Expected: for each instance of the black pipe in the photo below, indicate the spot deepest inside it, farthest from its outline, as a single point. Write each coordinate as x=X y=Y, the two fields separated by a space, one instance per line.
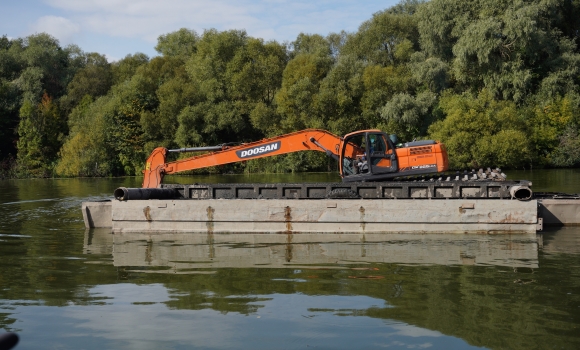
x=521 y=193
x=8 y=341
x=125 y=194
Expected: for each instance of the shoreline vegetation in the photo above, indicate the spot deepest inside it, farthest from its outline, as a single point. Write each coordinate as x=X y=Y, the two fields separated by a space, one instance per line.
x=498 y=82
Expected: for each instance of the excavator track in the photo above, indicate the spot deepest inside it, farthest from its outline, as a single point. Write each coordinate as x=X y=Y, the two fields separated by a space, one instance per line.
x=465 y=175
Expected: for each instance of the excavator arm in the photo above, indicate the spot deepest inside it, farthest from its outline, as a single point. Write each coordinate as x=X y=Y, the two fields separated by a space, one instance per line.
x=305 y=140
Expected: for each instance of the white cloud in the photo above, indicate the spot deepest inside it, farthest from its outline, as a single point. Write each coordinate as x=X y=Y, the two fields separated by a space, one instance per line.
x=61 y=28
x=413 y=331
x=119 y=27
x=268 y=19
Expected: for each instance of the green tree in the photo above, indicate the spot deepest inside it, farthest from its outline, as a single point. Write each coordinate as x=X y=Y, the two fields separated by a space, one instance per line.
x=135 y=125
x=237 y=77
x=94 y=79
x=567 y=19
x=409 y=116
x=9 y=100
x=480 y=131
x=386 y=39
x=381 y=84
x=339 y=97
x=35 y=72
x=567 y=154
x=174 y=92
x=124 y=69
x=297 y=96
x=429 y=73
x=221 y=118
x=86 y=151
x=181 y=43
x=49 y=64
x=552 y=127
x=507 y=47
x=311 y=44
x=41 y=131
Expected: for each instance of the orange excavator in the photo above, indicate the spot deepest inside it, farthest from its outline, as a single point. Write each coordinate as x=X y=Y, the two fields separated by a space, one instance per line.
x=366 y=155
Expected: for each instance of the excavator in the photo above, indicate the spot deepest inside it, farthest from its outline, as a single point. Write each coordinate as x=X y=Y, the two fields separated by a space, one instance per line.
x=363 y=156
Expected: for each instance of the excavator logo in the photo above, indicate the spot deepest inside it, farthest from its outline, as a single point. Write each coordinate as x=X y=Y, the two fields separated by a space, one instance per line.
x=258 y=151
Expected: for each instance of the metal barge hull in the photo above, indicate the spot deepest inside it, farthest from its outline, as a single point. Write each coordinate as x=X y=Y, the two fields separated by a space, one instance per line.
x=325 y=216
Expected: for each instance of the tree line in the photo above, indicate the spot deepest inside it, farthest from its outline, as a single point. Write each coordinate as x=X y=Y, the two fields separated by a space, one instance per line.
x=496 y=81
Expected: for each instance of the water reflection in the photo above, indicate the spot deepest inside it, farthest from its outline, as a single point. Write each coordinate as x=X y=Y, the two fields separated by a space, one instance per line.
x=563 y=240
x=554 y=180
x=403 y=290
x=276 y=321
x=186 y=253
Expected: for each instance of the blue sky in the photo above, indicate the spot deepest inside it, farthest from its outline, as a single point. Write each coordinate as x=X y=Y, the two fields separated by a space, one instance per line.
x=116 y=28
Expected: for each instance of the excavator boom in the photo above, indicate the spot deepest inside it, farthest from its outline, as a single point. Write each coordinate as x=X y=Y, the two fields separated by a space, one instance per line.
x=305 y=140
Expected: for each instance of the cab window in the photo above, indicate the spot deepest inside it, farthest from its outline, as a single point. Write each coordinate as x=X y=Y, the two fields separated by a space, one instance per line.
x=355 y=154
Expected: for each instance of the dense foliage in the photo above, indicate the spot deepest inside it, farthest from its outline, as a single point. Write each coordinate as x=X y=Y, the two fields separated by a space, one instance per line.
x=497 y=81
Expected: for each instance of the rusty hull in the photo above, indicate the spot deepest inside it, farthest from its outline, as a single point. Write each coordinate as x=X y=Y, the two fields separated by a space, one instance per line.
x=320 y=216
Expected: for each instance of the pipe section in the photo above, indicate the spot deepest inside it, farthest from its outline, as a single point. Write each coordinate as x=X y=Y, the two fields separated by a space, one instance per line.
x=125 y=194
x=521 y=193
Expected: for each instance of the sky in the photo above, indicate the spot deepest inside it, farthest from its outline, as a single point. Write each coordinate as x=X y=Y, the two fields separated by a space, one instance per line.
x=117 y=28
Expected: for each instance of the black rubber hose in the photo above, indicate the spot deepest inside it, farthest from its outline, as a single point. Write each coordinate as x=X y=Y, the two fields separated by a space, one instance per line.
x=8 y=341
x=125 y=194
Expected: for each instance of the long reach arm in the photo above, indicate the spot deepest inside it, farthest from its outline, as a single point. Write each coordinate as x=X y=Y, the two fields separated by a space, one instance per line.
x=305 y=140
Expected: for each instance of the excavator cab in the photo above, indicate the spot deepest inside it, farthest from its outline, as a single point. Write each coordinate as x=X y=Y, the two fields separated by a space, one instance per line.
x=367 y=155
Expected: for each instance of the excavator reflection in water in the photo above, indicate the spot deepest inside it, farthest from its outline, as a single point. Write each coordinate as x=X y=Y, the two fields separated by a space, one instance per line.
x=366 y=155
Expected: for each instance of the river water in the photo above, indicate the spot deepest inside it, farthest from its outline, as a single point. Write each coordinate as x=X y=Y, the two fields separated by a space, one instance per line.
x=64 y=287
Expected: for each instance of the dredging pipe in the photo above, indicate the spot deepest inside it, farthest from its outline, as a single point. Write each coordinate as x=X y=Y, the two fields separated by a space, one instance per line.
x=521 y=193
x=125 y=194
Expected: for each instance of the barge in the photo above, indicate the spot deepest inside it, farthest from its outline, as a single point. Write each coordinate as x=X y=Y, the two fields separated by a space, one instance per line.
x=364 y=207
